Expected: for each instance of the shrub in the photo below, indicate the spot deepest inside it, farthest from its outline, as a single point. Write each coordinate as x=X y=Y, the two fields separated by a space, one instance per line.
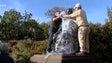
x=24 y=49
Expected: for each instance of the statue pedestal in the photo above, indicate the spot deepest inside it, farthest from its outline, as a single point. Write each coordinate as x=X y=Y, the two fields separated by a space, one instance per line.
x=46 y=58
x=78 y=59
x=62 y=59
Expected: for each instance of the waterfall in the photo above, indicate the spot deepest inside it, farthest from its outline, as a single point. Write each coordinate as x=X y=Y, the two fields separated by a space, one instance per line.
x=67 y=40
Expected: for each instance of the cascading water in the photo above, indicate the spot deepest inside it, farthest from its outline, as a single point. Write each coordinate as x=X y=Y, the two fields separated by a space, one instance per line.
x=67 y=40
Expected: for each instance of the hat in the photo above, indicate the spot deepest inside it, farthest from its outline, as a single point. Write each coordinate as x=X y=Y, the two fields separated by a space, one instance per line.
x=77 y=5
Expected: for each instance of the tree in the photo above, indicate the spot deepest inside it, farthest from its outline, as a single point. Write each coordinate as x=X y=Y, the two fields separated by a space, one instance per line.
x=0 y=18
x=16 y=26
x=29 y=28
x=24 y=26
x=101 y=39
x=45 y=27
x=32 y=27
x=9 y=23
x=109 y=12
x=51 y=12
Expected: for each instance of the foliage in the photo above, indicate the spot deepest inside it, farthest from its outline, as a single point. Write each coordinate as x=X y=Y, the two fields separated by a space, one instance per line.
x=45 y=27
x=9 y=25
x=24 y=49
x=14 y=25
x=109 y=12
x=51 y=12
x=101 y=40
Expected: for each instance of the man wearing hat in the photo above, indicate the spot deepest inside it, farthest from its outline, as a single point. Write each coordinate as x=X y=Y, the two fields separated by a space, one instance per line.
x=4 y=56
x=83 y=31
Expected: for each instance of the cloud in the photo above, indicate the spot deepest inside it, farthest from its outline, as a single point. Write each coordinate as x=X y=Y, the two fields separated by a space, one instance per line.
x=17 y=5
x=2 y=5
x=2 y=8
x=7 y=5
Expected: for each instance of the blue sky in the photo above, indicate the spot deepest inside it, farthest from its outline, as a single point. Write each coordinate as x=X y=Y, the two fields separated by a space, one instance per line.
x=96 y=10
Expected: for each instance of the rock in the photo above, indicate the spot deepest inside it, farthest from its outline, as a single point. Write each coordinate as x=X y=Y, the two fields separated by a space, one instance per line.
x=50 y=58
x=66 y=41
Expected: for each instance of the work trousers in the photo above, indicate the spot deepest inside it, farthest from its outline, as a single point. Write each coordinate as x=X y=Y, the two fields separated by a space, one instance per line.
x=83 y=37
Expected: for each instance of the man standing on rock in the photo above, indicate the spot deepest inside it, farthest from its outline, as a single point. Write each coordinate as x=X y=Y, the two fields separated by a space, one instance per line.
x=83 y=31
x=55 y=25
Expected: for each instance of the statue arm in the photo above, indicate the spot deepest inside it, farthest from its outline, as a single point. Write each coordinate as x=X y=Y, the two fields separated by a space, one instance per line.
x=55 y=18
x=73 y=15
x=76 y=13
x=65 y=16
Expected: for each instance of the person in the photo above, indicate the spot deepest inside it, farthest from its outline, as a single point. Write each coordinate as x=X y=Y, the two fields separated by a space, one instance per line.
x=69 y=11
x=55 y=24
x=83 y=28
x=4 y=56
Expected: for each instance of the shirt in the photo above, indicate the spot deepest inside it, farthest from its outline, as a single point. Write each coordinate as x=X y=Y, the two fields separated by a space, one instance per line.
x=80 y=17
x=6 y=59
x=55 y=24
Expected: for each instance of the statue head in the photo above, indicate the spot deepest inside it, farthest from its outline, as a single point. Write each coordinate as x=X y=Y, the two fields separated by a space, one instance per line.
x=78 y=6
x=69 y=11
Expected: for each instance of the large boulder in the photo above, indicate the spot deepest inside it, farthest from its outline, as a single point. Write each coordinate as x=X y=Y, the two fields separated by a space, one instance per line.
x=66 y=41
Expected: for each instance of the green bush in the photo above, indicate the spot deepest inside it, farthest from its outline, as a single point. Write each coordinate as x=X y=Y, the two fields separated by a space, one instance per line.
x=101 y=42
x=24 y=49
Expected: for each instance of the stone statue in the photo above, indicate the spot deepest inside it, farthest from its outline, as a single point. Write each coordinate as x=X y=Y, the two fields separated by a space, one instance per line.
x=66 y=41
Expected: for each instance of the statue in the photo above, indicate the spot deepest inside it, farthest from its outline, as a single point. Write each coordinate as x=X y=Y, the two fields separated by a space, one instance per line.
x=67 y=41
x=66 y=38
